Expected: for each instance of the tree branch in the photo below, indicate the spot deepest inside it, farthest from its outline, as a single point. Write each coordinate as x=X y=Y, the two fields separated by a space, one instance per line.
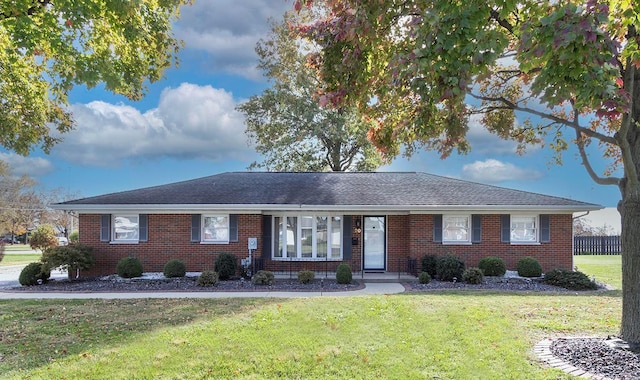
x=511 y=105
x=630 y=170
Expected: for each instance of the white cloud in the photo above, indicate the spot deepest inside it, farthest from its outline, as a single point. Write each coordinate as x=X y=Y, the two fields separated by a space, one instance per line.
x=190 y=122
x=228 y=30
x=494 y=171
x=31 y=166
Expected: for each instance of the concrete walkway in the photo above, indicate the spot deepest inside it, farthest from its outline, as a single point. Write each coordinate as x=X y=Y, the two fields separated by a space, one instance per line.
x=370 y=288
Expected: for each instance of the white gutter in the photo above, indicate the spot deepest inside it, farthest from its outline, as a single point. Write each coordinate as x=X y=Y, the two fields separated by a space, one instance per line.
x=253 y=208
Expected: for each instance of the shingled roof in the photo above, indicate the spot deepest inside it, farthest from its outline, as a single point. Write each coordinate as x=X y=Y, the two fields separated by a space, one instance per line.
x=407 y=191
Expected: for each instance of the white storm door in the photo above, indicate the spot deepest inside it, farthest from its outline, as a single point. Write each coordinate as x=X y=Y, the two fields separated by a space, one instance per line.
x=374 y=243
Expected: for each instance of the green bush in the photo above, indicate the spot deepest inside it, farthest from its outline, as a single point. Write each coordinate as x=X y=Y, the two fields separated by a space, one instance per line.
x=129 y=267
x=208 y=278
x=449 y=268
x=74 y=237
x=263 y=277
x=174 y=268
x=33 y=274
x=529 y=267
x=226 y=265
x=569 y=280
x=43 y=237
x=306 y=276
x=343 y=274
x=70 y=257
x=492 y=266
x=428 y=264
x=424 y=278
x=473 y=276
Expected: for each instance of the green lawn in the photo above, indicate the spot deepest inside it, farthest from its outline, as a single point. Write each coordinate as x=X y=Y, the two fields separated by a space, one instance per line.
x=19 y=259
x=605 y=268
x=16 y=247
x=449 y=335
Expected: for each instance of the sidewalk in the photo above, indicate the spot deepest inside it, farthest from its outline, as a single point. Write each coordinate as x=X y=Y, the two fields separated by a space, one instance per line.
x=371 y=288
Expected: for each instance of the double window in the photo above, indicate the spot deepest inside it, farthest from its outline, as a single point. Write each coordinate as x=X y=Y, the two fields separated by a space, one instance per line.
x=456 y=229
x=124 y=228
x=215 y=228
x=308 y=237
x=524 y=229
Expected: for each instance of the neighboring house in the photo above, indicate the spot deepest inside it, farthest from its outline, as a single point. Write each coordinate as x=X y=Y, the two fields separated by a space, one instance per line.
x=370 y=221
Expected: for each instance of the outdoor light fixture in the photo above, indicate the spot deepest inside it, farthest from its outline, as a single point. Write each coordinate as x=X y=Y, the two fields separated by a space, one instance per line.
x=358 y=228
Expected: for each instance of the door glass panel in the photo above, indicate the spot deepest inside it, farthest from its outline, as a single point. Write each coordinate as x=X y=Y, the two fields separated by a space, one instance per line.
x=374 y=242
x=321 y=236
x=292 y=232
x=306 y=232
x=336 y=237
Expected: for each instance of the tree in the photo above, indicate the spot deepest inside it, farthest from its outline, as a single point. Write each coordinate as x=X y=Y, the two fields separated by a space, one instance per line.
x=20 y=204
x=47 y=47
x=72 y=258
x=43 y=237
x=290 y=129
x=553 y=73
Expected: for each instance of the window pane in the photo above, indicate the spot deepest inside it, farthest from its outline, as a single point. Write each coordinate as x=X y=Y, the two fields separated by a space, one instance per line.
x=125 y=227
x=279 y=236
x=216 y=228
x=336 y=237
x=321 y=236
x=292 y=231
x=524 y=228
x=306 y=237
x=455 y=228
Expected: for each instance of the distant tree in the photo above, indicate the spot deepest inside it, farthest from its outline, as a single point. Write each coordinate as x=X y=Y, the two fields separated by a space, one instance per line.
x=43 y=237
x=48 y=47
x=289 y=128
x=64 y=222
x=584 y=227
x=20 y=204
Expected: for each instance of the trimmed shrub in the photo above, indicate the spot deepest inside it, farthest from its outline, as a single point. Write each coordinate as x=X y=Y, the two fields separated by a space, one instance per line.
x=343 y=274
x=129 y=267
x=428 y=264
x=33 y=274
x=226 y=265
x=424 y=278
x=473 y=276
x=68 y=257
x=263 y=277
x=449 y=267
x=306 y=276
x=208 y=278
x=529 y=267
x=492 y=266
x=174 y=268
x=569 y=280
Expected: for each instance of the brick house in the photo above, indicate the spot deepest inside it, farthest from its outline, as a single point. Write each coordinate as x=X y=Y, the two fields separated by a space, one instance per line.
x=373 y=222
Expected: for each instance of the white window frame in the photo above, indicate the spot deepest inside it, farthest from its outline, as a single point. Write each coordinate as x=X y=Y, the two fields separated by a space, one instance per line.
x=203 y=239
x=456 y=241
x=513 y=234
x=298 y=234
x=128 y=217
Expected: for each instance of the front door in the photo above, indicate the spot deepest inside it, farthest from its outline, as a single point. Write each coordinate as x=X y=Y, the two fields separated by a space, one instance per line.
x=374 y=243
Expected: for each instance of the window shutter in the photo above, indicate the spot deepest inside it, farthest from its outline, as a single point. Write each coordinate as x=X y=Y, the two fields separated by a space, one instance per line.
x=346 y=238
x=233 y=227
x=505 y=228
x=476 y=228
x=266 y=236
x=195 y=227
x=545 y=229
x=105 y=227
x=143 y=227
x=437 y=228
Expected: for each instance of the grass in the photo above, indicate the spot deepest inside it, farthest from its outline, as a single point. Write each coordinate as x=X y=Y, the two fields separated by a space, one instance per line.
x=449 y=335
x=19 y=259
x=16 y=247
x=605 y=268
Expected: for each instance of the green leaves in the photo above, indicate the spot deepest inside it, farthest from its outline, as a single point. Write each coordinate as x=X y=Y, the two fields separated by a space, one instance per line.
x=46 y=48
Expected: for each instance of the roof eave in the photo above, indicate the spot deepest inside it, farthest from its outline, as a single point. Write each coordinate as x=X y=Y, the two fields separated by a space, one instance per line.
x=247 y=208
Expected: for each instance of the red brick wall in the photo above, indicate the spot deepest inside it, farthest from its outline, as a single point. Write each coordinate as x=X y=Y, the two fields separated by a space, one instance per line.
x=407 y=236
x=555 y=254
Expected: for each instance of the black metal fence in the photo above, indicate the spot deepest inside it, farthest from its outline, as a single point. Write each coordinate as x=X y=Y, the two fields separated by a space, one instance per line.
x=597 y=245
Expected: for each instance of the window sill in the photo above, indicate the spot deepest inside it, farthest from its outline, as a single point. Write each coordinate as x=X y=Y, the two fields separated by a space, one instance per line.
x=287 y=259
x=214 y=242
x=124 y=242
x=456 y=243
x=525 y=243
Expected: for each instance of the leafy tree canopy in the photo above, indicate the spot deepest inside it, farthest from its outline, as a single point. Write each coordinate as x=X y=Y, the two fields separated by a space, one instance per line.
x=289 y=128
x=47 y=47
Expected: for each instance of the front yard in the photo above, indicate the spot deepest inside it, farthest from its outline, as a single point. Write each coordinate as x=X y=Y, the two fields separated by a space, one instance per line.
x=450 y=335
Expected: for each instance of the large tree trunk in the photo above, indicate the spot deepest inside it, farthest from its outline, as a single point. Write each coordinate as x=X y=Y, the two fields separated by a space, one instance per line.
x=629 y=209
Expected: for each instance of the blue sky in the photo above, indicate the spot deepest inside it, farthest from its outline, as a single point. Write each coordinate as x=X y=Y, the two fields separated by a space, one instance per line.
x=186 y=127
